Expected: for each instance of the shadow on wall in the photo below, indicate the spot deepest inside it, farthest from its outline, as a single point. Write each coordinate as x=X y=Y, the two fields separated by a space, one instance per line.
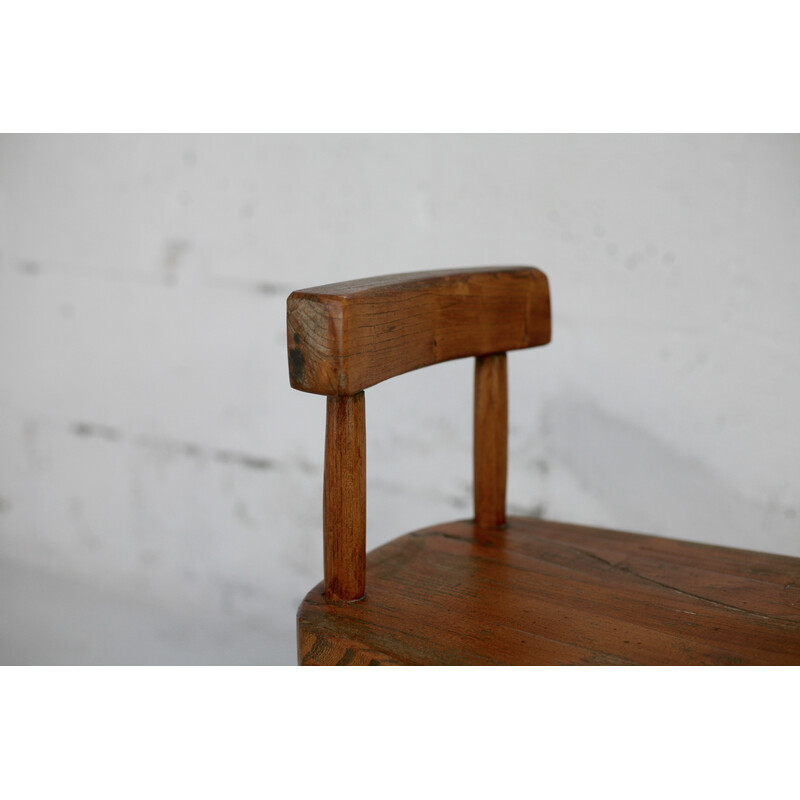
x=655 y=489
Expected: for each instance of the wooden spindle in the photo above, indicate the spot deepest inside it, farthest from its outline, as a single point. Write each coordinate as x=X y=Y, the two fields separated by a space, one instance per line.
x=491 y=440
x=344 y=516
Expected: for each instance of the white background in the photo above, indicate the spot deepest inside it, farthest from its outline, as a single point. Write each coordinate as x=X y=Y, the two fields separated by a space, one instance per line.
x=356 y=65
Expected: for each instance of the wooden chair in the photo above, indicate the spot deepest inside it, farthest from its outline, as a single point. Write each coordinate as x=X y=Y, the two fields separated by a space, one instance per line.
x=498 y=590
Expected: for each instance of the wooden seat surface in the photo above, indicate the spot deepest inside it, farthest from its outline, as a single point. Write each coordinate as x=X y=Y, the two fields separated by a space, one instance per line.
x=539 y=592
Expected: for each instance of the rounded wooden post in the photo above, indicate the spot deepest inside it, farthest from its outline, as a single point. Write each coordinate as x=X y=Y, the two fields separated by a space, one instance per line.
x=491 y=440
x=344 y=514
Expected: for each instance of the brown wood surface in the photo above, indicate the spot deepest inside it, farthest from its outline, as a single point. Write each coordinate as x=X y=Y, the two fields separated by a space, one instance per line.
x=345 y=337
x=540 y=592
x=344 y=510
x=490 y=460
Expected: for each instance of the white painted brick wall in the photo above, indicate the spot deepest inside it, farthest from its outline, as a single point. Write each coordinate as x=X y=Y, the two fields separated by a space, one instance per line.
x=150 y=445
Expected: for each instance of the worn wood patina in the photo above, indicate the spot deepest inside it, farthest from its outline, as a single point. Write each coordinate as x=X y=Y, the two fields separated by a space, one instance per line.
x=540 y=592
x=497 y=590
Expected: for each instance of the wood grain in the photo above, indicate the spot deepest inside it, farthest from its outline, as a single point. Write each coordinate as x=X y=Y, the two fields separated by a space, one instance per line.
x=542 y=592
x=345 y=337
x=490 y=459
x=497 y=590
x=344 y=517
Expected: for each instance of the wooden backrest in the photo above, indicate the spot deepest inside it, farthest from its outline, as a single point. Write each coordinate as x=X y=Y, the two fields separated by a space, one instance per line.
x=346 y=337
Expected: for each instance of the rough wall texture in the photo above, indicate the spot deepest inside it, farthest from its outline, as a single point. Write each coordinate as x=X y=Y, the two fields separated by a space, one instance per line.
x=150 y=445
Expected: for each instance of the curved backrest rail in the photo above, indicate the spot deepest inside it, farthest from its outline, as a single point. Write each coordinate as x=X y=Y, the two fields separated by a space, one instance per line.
x=345 y=337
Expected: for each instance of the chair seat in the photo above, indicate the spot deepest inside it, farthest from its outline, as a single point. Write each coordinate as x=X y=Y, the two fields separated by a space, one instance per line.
x=539 y=592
